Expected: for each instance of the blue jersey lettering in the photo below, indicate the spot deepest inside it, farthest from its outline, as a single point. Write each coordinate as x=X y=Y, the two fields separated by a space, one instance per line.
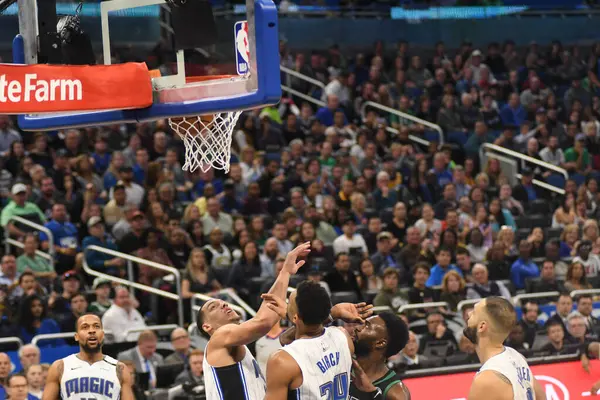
x=87 y=384
x=328 y=361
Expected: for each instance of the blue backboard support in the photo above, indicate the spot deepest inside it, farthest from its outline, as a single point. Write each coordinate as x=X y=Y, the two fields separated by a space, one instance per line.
x=267 y=75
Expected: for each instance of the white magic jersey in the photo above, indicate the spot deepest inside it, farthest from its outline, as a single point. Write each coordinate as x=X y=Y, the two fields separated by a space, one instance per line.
x=514 y=367
x=240 y=381
x=325 y=362
x=83 y=381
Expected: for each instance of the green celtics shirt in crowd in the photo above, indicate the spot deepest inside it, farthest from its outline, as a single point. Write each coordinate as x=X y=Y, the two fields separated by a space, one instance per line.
x=36 y=264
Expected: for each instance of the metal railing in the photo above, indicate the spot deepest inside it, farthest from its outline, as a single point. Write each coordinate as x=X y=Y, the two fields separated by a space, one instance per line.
x=423 y=305
x=579 y=292
x=51 y=336
x=462 y=304
x=306 y=78
x=165 y=327
x=8 y=241
x=303 y=96
x=543 y=164
x=12 y=339
x=405 y=116
x=130 y=283
x=518 y=299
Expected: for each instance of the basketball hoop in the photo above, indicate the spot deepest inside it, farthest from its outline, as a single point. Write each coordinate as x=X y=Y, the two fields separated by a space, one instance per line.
x=207 y=138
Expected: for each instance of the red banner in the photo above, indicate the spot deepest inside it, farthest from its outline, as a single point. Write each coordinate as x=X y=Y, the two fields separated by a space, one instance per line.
x=561 y=381
x=33 y=89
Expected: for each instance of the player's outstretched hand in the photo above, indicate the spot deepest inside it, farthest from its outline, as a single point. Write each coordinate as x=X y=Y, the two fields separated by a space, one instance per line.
x=275 y=303
x=352 y=313
x=291 y=264
x=360 y=379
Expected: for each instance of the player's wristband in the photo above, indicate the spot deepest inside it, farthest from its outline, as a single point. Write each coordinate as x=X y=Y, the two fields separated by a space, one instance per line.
x=375 y=395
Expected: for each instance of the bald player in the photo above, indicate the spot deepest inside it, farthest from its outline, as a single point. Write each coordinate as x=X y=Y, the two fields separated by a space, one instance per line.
x=504 y=374
x=89 y=373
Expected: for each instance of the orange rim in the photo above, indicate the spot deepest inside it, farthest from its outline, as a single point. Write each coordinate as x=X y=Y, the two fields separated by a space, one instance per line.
x=192 y=79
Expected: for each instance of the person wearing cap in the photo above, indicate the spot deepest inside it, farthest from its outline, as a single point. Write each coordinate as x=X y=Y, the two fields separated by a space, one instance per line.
x=131 y=238
x=577 y=158
x=526 y=191
x=114 y=210
x=60 y=304
x=230 y=203
x=101 y=261
x=385 y=257
x=350 y=241
x=65 y=236
x=20 y=207
x=134 y=192
x=101 y=288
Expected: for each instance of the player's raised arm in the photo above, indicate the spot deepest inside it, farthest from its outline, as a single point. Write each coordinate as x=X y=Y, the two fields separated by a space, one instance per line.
x=126 y=381
x=540 y=393
x=258 y=326
x=491 y=385
x=52 y=388
x=282 y=371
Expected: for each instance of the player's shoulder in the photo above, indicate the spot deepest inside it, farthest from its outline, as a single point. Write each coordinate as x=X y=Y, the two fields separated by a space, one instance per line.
x=283 y=362
x=492 y=378
x=111 y=361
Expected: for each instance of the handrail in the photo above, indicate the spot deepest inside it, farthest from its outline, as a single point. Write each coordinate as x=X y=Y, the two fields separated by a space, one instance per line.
x=12 y=339
x=163 y=293
x=380 y=309
x=150 y=328
x=302 y=76
x=51 y=336
x=579 y=292
x=422 y=305
x=400 y=114
x=524 y=157
x=518 y=298
x=303 y=96
x=461 y=304
x=546 y=186
x=8 y=241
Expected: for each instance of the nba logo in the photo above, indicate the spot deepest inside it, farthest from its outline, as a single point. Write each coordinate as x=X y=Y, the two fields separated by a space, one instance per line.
x=242 y=47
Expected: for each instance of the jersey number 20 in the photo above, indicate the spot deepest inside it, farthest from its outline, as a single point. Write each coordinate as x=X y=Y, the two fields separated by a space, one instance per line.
x=336 y=389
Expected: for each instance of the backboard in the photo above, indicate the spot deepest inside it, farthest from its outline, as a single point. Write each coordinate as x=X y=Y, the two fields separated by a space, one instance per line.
x=245 y=58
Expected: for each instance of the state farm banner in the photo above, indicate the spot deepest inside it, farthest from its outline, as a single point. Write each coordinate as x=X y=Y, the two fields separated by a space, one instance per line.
x=561 y=381
x=34 y=89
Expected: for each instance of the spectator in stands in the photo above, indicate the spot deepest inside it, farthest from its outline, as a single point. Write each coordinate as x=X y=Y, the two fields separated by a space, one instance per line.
x=463 y=262
x=447 y=203
x=437 y=331
x=194 y=373
x=443 y=257
x=214 y=217
x=553 y=254
x=576 y=279
x=34 y=381
x=591 y=262
x=420 y=293
x=411 y=251
x=369 y=279
x=475 y=244
x=350 y=241
x=144 y=356
x=513 y=113
x=280 y=233
x=568 y=239
x=102 y=261
x=529 y=322
x=198 y=277
x=428 y=225
x=29 y=260
x=325 y=114
x=27 y=286
x=482 y=287
x=390 y=294
x=20 y=207
x=524 y=267
x=180 y=340
x=552 y=154
x=516 y=339
x=101 y=288
x=453 y=289
x=114 y=210
x=29 y=355
x=33 y=321
x=385 y=257
x=448 y=117
x=244 y=269
x=18 y=387
x=557 y=344
x=584 y=307
x=5 y=369
x=564 y=306
x=577 y=158
x=547 y=281
x=268 y=258
x=60 y=305
x=179 y=248
x=342 y=279
x=8 y=270
x=122 y=316
x=79 y=307
x=409 y=358
x=477 y=139
x=65 y=238
x=526 y=192
x=577 y=329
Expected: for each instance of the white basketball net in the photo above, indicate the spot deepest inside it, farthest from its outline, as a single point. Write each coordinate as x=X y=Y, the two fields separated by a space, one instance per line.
x=207 y=141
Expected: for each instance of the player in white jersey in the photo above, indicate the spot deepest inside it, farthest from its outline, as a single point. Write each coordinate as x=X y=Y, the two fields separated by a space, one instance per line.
x=504 y=374
x=230 y=370
x=317 y=365
x=88 y=374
